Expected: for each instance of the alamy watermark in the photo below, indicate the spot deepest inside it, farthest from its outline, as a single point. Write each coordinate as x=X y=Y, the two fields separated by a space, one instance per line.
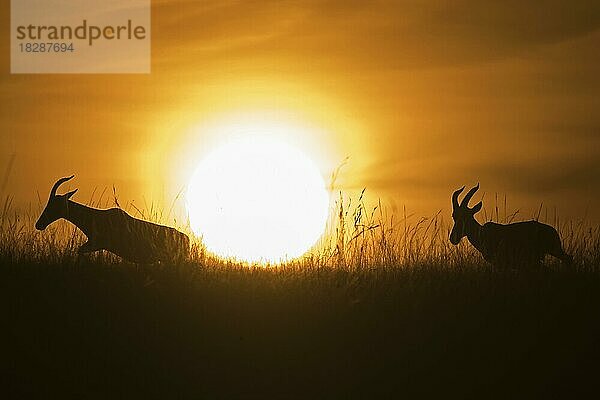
x=80 y=36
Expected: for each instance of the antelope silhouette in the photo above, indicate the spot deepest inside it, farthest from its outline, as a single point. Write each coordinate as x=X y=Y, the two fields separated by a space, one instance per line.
x=114 y=230
x=512 y=245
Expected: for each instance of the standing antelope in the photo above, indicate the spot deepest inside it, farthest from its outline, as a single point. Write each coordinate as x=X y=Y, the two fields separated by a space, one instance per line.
x=518 y=244
x=115 y=230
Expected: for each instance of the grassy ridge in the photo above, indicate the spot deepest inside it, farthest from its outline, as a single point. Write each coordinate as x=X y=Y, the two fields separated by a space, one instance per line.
x=378 y=309
x=99 y=330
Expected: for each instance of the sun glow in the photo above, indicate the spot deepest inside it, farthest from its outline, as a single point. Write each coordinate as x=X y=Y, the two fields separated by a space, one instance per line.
x=257 y=199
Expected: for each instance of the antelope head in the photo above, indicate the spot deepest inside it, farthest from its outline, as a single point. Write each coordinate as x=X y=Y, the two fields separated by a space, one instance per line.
x=462 y=214
x=56 y=207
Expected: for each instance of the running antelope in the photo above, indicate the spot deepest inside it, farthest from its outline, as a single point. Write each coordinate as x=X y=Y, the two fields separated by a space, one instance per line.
x=518 y=244
x=114 y=230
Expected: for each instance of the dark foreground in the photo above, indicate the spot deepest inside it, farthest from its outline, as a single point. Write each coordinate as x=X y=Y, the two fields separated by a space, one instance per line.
x=101 y=331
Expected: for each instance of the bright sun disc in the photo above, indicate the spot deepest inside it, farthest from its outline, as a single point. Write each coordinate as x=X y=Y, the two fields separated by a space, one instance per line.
x=257 y=199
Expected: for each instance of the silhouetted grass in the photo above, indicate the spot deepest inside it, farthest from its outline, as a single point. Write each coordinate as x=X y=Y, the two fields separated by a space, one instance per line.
x=383 y=307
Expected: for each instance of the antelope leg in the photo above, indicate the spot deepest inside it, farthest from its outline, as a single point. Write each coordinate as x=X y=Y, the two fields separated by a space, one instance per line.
x=88 y=247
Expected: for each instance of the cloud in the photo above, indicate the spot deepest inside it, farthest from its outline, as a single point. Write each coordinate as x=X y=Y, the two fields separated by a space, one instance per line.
x=373 y=34
x=443 y=93
x=546 y=176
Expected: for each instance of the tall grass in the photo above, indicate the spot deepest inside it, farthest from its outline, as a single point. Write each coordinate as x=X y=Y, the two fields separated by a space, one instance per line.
x=357 y=237
x=369 y=237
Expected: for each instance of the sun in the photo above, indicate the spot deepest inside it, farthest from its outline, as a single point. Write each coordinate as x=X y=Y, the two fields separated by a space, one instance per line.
x=257 y=199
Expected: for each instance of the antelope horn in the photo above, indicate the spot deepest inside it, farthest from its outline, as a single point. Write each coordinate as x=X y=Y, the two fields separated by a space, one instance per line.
x=58 y=183
x=455 y=197
x=467 y=198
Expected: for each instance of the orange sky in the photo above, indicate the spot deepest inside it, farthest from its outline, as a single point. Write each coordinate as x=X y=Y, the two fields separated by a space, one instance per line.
x=422 y=97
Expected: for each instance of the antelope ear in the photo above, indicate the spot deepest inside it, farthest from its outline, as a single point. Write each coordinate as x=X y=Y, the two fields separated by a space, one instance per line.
x=70 y=194
x=476 y=208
